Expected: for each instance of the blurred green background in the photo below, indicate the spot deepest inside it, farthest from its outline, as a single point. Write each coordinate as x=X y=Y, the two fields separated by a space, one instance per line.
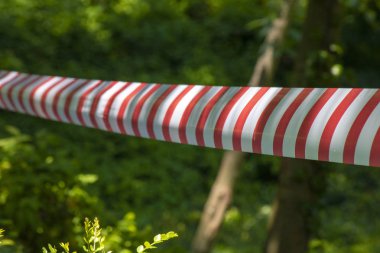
x=52 y=175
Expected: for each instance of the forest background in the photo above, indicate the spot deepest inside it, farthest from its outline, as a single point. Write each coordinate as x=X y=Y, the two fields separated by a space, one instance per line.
x=53 y=175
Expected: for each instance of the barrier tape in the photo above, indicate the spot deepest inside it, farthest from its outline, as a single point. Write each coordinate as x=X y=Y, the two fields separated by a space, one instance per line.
x=327 y=124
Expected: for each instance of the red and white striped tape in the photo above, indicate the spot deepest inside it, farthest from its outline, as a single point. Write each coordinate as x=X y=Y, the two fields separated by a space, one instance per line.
x=338 y=125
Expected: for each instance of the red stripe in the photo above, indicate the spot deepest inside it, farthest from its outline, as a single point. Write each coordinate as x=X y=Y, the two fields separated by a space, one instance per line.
x=223 y=117
x=82 y=99
x=124 y=105
x=57 y=97
x=324 y=144
x=357 y=126
x=187 y=113
x=374 y=158
x=204 y=116
x=284 y=122
x=170 y=111
x=14 y=85
x=308 y=122
x=95 y=103
x=153 y=111
x=32 y=93
x=262 y=121
x=238 y=129
x=69 y=98
x=20 y=95
x=108 y=106
x=3 y=85
x=138 y=108
x=44 y=95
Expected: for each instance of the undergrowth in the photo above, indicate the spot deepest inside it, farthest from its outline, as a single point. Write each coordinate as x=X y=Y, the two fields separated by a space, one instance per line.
x=93 y=240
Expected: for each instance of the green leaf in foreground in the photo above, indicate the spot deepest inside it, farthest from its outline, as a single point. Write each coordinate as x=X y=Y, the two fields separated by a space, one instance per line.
x=160 y=238
x=1 y=234
x=93 y=240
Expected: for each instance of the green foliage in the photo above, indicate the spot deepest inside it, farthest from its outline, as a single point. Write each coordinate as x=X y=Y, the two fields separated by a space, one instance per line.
x=46 y=190
x=167 y=41
x=1 y=234
x=160 y=238
x=52 y=249
x=53 y=174
x=94 y=241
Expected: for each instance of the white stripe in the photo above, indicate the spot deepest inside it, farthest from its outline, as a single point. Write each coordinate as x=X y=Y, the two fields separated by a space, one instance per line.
x=115 y=107
x=86 y=109
x=50 y=97
x=178 y=112
x=146 y=108
x=228 y=127
x=75 y=100
x=161 y=112
x=39 y=92
x=274 y=119
x=196 y=113
x=8 y=77
x=64 y=96
x=366 y=137
x=319 y=124
x=339 y=137
x=253 y=117
x=209 y=129
x=291 y=133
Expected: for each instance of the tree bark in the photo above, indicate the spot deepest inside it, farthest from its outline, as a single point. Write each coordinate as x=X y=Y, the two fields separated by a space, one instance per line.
x=301 y=182
x=222 y=190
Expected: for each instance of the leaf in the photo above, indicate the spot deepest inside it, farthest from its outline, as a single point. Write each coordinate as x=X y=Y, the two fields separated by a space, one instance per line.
x=52 y=249
x=171 y=234
x=149 y=246
x=140 y=249
x=157 y=238
x=65 y=247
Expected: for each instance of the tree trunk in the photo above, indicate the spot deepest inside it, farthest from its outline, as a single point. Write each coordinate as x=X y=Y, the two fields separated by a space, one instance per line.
x=222 y=190
x=301 y=182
